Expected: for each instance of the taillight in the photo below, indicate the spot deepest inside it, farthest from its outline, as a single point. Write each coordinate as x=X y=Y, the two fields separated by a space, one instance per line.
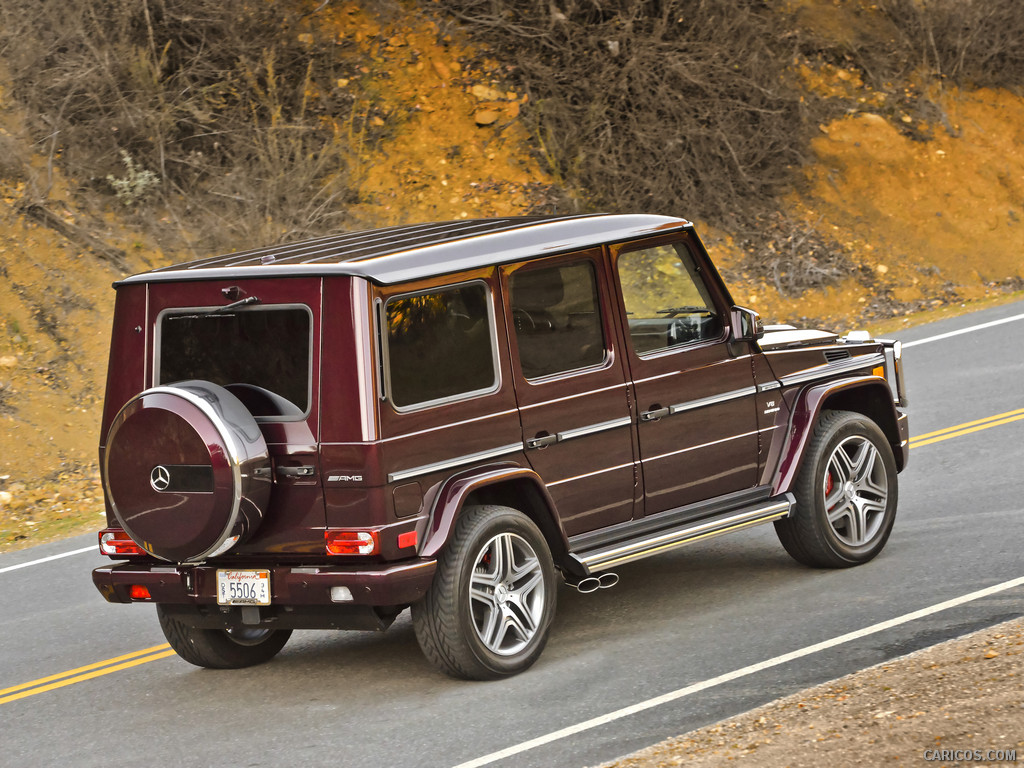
x=139 y=592
x=351 y=542
x=116 y=543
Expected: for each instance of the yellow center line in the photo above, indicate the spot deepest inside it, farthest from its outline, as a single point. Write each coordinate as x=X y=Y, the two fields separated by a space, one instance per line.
x=88 y=672
x=967 y=428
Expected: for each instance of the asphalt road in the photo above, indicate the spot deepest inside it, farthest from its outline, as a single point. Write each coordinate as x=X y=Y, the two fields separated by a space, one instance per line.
x=707 y=628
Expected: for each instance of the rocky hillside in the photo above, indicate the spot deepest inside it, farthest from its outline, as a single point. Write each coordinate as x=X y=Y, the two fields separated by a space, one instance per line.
x=888 y=180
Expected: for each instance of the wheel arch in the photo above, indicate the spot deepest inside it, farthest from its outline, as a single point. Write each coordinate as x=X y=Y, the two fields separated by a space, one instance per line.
x=869 y=396
x=512 y=486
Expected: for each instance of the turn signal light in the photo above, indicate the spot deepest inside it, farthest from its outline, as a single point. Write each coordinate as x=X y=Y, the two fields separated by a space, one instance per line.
x=116 y=543
x=351 y=542
x=139 y=592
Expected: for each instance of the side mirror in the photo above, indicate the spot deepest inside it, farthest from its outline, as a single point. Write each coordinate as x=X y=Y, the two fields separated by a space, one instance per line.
x=746 y=325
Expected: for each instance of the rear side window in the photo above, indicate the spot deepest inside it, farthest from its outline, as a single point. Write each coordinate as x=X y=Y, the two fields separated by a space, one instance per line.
x=440 y=346
x=262 y=356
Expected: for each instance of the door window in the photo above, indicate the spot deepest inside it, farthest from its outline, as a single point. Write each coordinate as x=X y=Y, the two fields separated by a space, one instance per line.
x=667 y=304
x=556 y=319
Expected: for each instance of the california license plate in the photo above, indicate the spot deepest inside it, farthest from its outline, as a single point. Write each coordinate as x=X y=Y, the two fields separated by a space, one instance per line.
x=243 y=587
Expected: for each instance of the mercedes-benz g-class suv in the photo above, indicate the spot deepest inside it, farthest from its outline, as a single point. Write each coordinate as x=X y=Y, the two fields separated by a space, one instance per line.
x=449 y=416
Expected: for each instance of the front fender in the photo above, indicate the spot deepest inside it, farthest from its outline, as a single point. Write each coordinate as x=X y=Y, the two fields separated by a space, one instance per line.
x=867 y=395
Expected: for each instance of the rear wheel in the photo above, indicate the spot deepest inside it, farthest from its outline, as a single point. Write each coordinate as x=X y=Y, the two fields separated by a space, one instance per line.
x=490 y=606
x=846 y=494
x=221 y=648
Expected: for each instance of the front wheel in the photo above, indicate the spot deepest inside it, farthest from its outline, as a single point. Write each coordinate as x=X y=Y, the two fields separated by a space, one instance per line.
x=846 y=494
x=489 y=608
x=221 y=648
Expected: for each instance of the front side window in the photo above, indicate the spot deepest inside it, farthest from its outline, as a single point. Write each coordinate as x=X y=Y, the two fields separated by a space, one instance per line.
x=667 y=303
x=262 y=356
x=440 y=346
x=556 y=319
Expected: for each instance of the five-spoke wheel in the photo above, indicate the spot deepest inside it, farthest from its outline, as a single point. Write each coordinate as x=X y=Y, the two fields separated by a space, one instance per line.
x=492 y=600
x=506 y=594
x=846 y=494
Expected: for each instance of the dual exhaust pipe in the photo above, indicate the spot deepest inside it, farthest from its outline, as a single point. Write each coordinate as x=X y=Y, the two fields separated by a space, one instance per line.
x=593 y=583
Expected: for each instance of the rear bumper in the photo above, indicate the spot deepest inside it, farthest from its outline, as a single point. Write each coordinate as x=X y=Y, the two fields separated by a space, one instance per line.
x=290 y=586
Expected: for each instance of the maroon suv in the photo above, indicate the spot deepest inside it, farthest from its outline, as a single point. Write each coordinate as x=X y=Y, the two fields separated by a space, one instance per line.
x=445 y=416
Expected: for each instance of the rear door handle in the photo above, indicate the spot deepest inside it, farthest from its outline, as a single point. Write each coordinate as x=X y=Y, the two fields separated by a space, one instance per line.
x=654 y=414
x=305 y=471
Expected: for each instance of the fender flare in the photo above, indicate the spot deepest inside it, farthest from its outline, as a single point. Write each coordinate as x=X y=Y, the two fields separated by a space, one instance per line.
x=453 y=493
x=808 y=406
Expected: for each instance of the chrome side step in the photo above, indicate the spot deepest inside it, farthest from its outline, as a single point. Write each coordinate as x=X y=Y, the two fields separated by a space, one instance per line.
x=663 y=540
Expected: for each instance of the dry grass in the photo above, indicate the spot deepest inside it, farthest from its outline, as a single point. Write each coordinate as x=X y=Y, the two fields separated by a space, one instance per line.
x=209 y=115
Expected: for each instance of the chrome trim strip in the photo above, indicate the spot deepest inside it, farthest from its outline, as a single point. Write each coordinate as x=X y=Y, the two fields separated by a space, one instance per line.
x=768 y=386
x=703 y=402
x=593 y=429
x=702 y=445
x=649 y=546
x=588 y=474
x=458 y=461
x=832 y=369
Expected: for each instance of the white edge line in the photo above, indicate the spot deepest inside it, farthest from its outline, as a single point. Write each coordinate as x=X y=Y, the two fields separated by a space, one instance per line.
x=48 y=559
x=962 y=330
x=736 y=674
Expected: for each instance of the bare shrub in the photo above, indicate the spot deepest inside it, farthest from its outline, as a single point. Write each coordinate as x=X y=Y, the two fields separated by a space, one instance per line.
x=217 y=100
x=971 y=42
x=653 y=106
x=792 y=255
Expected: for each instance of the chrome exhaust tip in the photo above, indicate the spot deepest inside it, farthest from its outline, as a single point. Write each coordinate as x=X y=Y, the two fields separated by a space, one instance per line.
x=608 y=580
x=593 y=583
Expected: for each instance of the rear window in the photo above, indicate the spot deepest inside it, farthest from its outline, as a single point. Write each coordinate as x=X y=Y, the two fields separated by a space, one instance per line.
x=440 y=346
x=262 y=355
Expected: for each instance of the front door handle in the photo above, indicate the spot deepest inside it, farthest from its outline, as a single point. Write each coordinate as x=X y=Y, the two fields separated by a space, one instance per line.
x=541 y=441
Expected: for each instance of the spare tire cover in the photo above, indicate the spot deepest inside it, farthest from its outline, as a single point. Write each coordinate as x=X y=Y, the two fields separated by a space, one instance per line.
x=187 y=471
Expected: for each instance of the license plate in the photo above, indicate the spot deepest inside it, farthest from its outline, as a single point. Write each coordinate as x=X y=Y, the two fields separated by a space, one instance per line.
x=243 y=587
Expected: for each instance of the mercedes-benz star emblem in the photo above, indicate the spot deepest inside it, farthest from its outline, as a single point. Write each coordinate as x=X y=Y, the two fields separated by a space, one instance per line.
x=160 y=478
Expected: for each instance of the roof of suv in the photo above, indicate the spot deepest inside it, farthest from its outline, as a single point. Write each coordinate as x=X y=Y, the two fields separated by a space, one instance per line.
x=398 y=254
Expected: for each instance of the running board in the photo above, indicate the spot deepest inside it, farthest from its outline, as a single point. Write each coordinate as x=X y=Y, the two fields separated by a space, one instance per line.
x=626 y=551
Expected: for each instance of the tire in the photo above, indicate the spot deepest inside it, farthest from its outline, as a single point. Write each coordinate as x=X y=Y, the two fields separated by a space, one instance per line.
x=221 y=648
x=846 y=494
x=490 y=606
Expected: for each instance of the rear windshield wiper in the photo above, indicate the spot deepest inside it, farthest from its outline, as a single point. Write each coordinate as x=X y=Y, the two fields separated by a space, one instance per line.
x=217 y=310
